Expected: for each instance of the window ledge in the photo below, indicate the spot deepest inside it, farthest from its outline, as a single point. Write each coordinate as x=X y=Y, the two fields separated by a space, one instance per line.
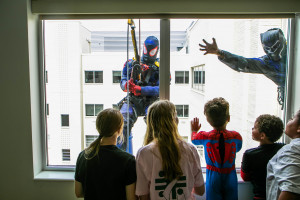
x=69 y=176
x=55 y=176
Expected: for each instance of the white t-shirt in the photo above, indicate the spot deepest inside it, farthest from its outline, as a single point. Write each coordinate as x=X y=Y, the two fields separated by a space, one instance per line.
x=150 y=179
x=283 y=171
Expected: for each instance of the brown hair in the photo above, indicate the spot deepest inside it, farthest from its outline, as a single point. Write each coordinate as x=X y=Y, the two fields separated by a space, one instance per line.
x=217 y=112
x=162 y=126
x=107 y=123
x=271 y=125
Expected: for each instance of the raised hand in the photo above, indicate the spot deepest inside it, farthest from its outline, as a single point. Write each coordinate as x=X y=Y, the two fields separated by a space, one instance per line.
x=195 y=125
x=210 y=48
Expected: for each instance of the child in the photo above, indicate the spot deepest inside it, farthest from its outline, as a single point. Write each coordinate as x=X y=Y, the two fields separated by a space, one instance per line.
x=220 y=146
x=168 y=167
x=283 y=170
x=103 y=171
x=267 y=130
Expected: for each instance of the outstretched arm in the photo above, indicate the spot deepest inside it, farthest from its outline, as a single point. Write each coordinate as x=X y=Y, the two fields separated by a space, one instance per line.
x=210 y=48
x=235 y=62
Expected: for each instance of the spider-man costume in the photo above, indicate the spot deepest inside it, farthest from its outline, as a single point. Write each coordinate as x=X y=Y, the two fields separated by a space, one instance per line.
x=272 y=65
x=143 y=92
x=221 y=178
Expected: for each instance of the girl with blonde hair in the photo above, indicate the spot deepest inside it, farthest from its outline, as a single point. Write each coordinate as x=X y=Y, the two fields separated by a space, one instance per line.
x=167 y=167
x=103 y=171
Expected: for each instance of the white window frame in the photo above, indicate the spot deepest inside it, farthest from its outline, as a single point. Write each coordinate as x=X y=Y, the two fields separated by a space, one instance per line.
x=198 y=86
x=183 y=110
x=164 y=74
x=94 y=109
x=184 y=77
x=114 y=76
x=94 y=77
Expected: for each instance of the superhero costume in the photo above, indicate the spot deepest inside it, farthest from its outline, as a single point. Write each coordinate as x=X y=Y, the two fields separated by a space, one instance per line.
x=143 y=91
x=220 y=150
x=272 y=65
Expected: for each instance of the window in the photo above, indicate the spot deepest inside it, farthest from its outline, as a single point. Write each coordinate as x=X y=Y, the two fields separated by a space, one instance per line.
x=116 y=76
x=115 y=106
x=89 y=139
x=46 y=76
x=93 y=109
x=198 y=78
x=64 y=120
x=47 y=109
x=74 y=87
x=182 y=77
x=93 y=76
x=182 y=110
x=66 y=155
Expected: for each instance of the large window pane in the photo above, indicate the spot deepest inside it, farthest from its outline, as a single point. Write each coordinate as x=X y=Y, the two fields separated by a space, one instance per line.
x=86 y=59
x=249 y=94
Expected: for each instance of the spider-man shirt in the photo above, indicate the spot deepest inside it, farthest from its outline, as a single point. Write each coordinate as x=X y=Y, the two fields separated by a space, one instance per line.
x=220 y=153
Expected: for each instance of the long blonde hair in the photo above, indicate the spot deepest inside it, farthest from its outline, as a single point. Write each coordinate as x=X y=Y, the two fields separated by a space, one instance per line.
x=107 y=123
x=162 y=126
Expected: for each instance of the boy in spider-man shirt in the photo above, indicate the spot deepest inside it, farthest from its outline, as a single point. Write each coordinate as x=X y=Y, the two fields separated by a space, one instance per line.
x=220 y=146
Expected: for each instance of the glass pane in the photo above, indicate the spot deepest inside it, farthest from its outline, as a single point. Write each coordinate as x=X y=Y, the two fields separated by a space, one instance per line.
x=92 y=51
x=196 y=77
x=98 y=76
x=89 y=77
x=179 y=76
x=98 y=108
x=186 y=111
x=250 y=93
x=89 y=110
x=179 y=110
x=186 y=73
x=116 y=76
x=64 y=120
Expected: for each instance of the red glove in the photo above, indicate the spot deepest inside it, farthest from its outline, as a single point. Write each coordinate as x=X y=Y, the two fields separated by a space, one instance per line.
x=128 y=83
x=135 y=89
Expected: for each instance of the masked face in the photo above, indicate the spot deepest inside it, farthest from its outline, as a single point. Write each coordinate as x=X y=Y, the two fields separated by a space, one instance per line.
x=274 y=43
x=150 y=50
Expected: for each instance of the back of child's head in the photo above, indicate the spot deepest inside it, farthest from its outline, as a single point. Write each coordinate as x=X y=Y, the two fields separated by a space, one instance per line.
x=107 y=123
x=162 y=126
x=271 y=125
x=217 y=112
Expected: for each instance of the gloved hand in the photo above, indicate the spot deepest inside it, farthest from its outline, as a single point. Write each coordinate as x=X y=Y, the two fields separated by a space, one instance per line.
x=125 y=86
x=135 y=89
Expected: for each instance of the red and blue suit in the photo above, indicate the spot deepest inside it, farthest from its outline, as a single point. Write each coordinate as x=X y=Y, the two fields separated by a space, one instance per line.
x=220 y=152
x=143 y=91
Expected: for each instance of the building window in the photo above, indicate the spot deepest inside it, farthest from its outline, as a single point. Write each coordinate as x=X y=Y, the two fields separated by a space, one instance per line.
x=64 y=120
x=116 y=76
x=66 y=155
x=115 y=106
x=89 y=139
x=198 y=77
x=93 y=109
x=46 y=76
x=47 y=109
x=182 y=110
x=182 y=77
x=93 y=76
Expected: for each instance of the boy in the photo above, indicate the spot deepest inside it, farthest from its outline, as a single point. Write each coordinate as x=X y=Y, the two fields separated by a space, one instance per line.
x=220 y=146
x=267 y=130
x=283 y=170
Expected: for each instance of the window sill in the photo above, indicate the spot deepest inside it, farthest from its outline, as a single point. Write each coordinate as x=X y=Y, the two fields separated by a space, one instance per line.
x=69 y=176
x=55 y=176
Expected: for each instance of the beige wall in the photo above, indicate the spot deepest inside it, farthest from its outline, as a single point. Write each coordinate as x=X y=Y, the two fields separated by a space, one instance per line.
x=19 y=109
